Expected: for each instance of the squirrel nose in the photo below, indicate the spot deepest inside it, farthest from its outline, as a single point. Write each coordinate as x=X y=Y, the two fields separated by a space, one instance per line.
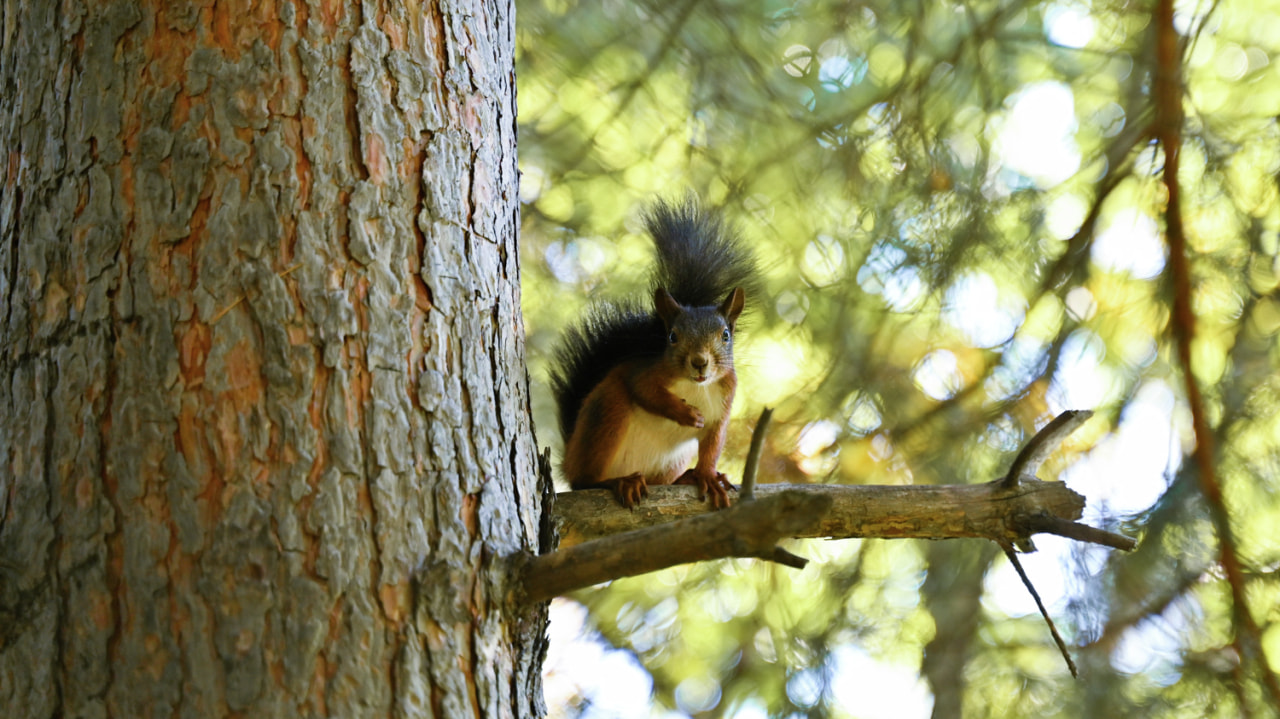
x=699 y=363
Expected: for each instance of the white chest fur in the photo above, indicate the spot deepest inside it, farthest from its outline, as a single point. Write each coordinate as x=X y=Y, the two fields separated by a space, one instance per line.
x=658 y=447
x=708 y=398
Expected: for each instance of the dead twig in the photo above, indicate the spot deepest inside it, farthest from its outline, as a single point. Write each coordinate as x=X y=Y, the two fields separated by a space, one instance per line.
x=748 y=490
x=1053 y=628
x=1036 y=451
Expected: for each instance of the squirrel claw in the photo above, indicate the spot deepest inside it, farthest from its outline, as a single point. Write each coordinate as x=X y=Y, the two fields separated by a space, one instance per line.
x=629 y=489
x=715 y=487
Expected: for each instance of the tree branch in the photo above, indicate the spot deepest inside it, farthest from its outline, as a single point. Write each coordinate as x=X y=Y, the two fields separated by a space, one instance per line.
x=748 y=529
x=986 y=511
x=1168 y=124
x=599 y=541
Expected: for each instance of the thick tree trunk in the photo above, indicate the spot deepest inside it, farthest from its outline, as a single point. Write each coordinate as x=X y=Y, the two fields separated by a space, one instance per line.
x=264 y=429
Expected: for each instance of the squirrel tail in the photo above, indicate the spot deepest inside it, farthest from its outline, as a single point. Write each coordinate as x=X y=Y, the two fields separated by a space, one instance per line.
x=606 y=336
x=700 y=258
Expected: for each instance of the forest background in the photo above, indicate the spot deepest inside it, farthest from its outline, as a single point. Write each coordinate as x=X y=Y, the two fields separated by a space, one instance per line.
x=970 y=223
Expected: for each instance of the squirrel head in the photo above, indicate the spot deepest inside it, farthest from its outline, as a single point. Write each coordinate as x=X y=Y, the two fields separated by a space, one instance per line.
x=699 y=339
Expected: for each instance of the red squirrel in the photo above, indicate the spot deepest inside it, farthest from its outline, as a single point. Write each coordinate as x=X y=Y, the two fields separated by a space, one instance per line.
x=642 y=392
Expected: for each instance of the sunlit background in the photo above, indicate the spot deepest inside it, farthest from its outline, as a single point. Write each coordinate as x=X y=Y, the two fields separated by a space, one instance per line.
x=961 y=213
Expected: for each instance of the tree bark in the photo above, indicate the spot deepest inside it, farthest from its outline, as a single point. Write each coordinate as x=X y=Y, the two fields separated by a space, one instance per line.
x=264 y=427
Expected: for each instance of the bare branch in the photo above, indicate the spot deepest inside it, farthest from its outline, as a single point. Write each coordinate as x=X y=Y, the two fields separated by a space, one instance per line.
x=748 y=529
x=987 y=511
x=1168 y=125
x=599 y=541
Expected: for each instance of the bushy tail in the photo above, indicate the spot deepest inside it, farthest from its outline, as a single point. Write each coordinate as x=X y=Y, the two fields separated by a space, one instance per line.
x=604 y=338
x=699 y=258
x=699 y=261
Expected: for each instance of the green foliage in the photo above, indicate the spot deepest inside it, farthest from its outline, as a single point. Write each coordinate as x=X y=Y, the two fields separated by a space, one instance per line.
x=962 y=215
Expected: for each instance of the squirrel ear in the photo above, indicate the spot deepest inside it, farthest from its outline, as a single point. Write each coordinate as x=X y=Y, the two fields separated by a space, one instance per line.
x=666 y=305
x=732 y=305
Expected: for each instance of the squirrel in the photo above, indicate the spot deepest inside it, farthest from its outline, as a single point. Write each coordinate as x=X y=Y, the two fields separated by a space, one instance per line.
x=641 y=392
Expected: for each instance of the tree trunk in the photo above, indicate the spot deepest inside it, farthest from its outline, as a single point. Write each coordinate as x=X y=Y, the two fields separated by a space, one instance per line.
x=264 y=428
x=953 y=595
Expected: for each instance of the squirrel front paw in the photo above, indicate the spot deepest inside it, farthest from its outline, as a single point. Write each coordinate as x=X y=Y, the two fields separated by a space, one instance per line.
x=691 y=417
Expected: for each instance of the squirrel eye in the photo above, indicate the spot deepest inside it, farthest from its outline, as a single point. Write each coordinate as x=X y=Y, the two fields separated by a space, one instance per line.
x=672 y=337
x=725 y=335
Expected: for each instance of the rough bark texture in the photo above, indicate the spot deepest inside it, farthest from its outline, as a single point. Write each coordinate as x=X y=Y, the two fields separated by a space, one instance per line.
x=263 y=415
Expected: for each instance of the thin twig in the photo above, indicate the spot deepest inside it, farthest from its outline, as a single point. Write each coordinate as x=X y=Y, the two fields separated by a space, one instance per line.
x=1044 y=443
x=1043 y=523
x=748 y=490
x=785 y=558
x=1053 y=628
